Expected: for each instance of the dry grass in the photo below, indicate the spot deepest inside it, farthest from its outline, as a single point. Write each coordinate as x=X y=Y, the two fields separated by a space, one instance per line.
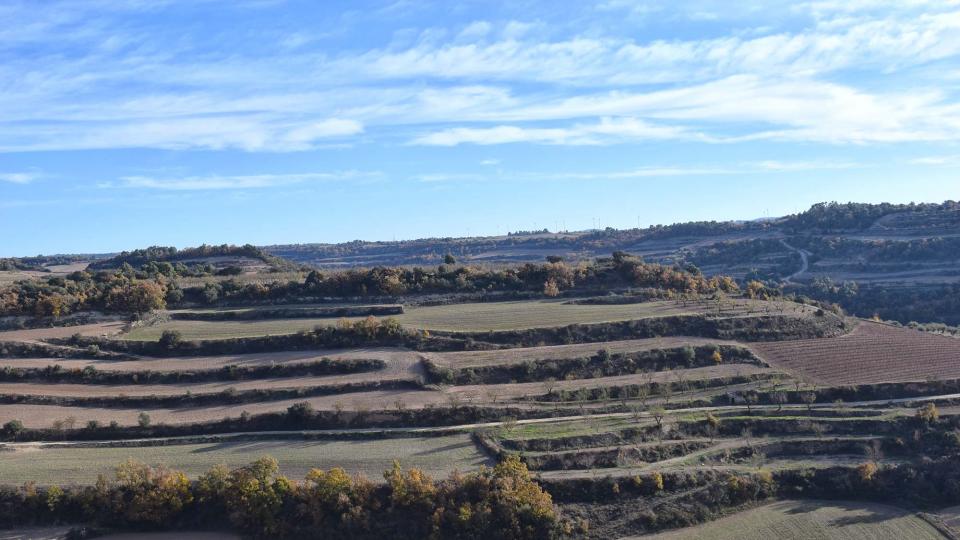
x=108 y=328
x=476 y=317
x=46 y=415
x=394 y=358
x=472 y=359
x=803 y=520
x=437 y=455
x=43 y=416
x=872 y=353
x=246 y=278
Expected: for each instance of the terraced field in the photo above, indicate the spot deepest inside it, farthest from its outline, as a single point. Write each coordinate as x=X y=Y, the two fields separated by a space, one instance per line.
x=396 y=359
x=803 y=520
x=644 y=406
x=460 y=318
x=871 y=353
x=437 y=455
x=473 y=359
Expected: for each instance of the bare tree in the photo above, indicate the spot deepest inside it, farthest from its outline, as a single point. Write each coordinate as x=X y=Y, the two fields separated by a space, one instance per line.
x=549 y=385
x=809 y=398
x=779 y=398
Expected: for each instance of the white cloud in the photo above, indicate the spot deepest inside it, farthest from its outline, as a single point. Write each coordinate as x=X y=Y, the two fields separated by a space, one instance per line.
x=19 y=177
x=490 y=162
x=607 y=130
x=215 y=182
x=334 y=127
x=475 y=30
x=936 y=160
x=650 y=171
x=244 y=132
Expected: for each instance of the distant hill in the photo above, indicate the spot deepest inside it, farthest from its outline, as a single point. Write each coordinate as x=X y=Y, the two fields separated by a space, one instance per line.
x=736 y=247
x=222 y=256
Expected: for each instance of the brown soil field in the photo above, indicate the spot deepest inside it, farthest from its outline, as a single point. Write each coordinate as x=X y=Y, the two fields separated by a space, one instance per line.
x=396 y=359
x=470 y=359
x=871 y=353
x=471 y=317
x=45 y=415
x=475 y=393
x=135 y=390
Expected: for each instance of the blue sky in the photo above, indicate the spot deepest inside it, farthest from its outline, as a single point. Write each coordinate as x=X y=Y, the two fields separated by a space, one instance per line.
x=127 y=123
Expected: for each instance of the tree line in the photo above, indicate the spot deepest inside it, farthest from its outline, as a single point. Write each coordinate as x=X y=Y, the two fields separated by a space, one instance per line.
x=154 y=285
x=257 y=501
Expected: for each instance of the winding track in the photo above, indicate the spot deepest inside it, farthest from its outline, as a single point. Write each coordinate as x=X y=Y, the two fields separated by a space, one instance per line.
x=804 y=262
x=426 y=431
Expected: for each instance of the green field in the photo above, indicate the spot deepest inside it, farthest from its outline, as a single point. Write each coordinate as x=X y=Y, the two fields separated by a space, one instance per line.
x=437 y=455
x=812 y=520
x=455 y=317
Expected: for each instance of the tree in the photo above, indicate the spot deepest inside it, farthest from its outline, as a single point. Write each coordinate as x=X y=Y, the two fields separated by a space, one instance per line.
x=867 y=471
x=12 y=428
x=751 y=399
x=150 y=496
x=143 y=420
x=717 y=357
x=139 y=297
x=300 y=412
x=809 y=398
x=928 y=414
x=551 y=289
x=170 y=339
x=449 y=259
x=779 y=398
x=658 y=413
x=713 y=426
x=255 y=495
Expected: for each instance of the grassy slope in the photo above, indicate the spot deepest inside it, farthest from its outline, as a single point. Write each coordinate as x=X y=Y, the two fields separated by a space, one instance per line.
x=456 y=317
x=436 y=455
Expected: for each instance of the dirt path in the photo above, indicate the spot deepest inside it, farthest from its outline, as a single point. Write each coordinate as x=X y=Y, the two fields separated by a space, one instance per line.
x=42 y=415
x=683 y=461
x=804 y=262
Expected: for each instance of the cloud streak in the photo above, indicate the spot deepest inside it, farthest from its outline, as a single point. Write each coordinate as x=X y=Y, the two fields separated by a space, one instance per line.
x=236 y=182
x=18 y=177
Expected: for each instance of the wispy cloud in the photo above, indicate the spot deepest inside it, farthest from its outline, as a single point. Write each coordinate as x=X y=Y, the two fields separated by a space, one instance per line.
x=936 y=160
x=607 y=130
x=768 y=167
x=112 y=82
x=19 y=177
x=214 y=182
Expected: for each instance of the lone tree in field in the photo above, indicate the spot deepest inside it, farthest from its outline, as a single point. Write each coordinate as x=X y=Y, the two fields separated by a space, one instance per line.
x=143 y=420
x=170 y=339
